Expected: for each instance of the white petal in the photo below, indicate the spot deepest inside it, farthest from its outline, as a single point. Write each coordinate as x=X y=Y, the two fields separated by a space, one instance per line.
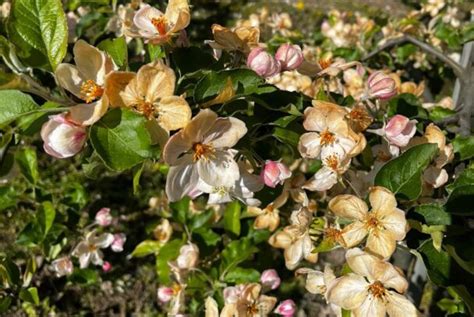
x=225 y=132
x=181 y=179
x=84 y=260
x=372 y=306
x=393 y=221
x=309 y=145
x=381 y=242
x=221 y=170
x=324 y=179
x=348 y=291
x=399 y=306
x=353 y=234
x=348 y=206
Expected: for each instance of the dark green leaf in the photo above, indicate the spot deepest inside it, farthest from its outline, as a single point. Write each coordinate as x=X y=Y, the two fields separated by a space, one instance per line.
x=464 y=146
x=460 y=200
x=210 y=237
x=46 y=216
x=434 y=214
x=30 y=295
x=167 y=253
x=121 y=139
x=235 y=253
x=28 y=164
x=440 y=113
x=437 y=263
x=402 y=175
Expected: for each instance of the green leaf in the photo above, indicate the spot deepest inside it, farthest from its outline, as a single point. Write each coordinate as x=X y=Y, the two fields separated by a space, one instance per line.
x=30 y=295
x=13 y=104
x=137 y=173
x=236 y=252
x=460 y=200
x=27 y=161
x=155 y=52
x=210 y=237
x=241 y=275
x=84 y=276
x=146 y=247
x=440 y=113
x=437 y=263
x=167 y=253
x=465 y=178
x=434 y=214
x=286 y=136
x=121 y=139
x=406 y=104
x=180 y=210
x=244 y=82
x=39 y=29
x=464 y=146
x=232 y=217
x=46 y=216
x=402 y=175
x=201 y=219
x=29 y=272
x=117 y=49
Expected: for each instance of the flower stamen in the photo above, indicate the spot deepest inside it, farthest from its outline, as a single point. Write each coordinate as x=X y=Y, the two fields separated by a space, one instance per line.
x=332 y=161
x=202 y=151
x=159 y=24
x=377 y=289
x=327 y=138
x=91 y=91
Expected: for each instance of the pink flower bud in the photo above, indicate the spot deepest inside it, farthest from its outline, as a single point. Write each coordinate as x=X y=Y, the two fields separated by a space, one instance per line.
x=188 y=256
x=270 y=279
x=261 y=62
x=165 y=294
x=106 y=266
x=62 y=138
x=286 y=308
x=119 y=240
x=399 y=130
x=103 y=217
x=289 y=56
x=381 y=86
x=274 y=173
x=63 y=266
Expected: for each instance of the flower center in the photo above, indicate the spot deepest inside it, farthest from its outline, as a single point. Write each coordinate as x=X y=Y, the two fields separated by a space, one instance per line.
x=377 y=289
x=372 y=222
x=359 y=119
x=159 y=24
x=91 y=91
x=202 y=151
x=327 y=138
x=325 y=63
x=333 y=234
x=92 y=248
x=252 y=309
x=145 y=108
x=332 y=162
x=176 y=288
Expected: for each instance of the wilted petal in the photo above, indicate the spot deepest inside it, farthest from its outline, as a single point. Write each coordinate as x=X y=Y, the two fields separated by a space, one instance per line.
x=394 y=221
x=178 y=15
x=197 y=128
x=309 y=145
x=174 y=112
x=115 y=83
x=69 y=78
x=89 y=113
x=353 y=234
x=210 y=307
x=281 y=239
x=399 y=306
x=372 y=306
x=324 y=179
x=91 y=62
x=176 y=146
x=156 y=81
x=382 y=199
x=381 y=242
x=348 y=206
x=348 y=292
x=294 y=254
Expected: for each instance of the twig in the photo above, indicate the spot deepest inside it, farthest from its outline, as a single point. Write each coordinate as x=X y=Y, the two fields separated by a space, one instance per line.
x=458 y=69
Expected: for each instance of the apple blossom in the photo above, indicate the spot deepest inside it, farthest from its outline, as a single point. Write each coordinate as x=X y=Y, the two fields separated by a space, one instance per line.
x=163 y=231
x=246 y=300
x=384 y=225
x=62 y=137
x=263 y=63
x=373 y=289
x=289 y=56
x=270 y=278
x=63 y=266
x=238 y=39
x=274 y=173
x=88 y=250
x=157 y=27
x=399 y=130
x=119 y=241
x=188 y=256
x=202 y=150
x=106 y=267
x=103 y=217
x=165 y=294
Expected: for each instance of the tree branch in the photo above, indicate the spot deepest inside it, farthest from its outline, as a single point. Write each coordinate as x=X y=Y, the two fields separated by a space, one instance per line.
x=457 y=68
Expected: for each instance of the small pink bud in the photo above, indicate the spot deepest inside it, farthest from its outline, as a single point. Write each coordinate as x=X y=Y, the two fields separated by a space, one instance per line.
x=62 y=138
x=261 y=62
x=106 y=266
x=119 y=240
x=289 y=56
x=103 y=217
x=399 y=130
x=274 y=173
x=270 y=279
x=286 y=308
x=381 y=86
x=165 y=294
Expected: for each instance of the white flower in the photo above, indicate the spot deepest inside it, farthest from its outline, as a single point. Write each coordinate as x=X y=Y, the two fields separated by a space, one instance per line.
x=201 y=150
x=62 y=138
x=374 y=288
x=384 y=225
x=63 y=266
x=188 y=256
x=88 y=250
